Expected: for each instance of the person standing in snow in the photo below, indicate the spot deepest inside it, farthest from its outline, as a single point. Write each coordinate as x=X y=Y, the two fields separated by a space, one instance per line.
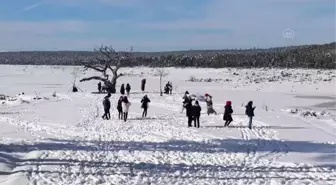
x=119 y=108
x=188 y=106
x=99 y=87
x=143 y=84
x=227 y=117
x=122 y=89
x=185 y=100
x=107 y=106
x=196 y=113
x=128 y=89
x=171 y=88
x=144 y=104
x=250 y=112
x=125 y=107
x=208 y=99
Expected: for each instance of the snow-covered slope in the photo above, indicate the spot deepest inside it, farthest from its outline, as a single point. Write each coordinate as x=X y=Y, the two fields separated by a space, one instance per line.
x=60 y=138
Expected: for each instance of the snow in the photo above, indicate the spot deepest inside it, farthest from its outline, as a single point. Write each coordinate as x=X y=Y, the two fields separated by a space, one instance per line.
x=52 y=136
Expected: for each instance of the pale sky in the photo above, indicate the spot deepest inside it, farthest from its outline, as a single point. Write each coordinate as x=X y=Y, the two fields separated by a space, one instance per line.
x=158 y=25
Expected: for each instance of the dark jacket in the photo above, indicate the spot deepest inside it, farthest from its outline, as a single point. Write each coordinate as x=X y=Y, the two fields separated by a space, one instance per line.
x=119 y=107
x=185 y=99
x=125 y=100
x=196 y=110
x=122 y=89
x=143 y=83
x=188 y=106
x=128 y=88
x=106 y=103
x=227 y=112
x=249 y=109
x=144 y=102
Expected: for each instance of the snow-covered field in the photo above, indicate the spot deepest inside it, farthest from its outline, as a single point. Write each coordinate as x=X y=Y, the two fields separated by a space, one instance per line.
x=62 y=139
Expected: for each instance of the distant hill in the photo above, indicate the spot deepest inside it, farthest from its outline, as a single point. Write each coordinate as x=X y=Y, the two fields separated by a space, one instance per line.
x=304 y=56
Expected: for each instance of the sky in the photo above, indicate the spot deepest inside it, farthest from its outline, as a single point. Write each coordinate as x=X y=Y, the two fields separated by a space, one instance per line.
x=162 y=25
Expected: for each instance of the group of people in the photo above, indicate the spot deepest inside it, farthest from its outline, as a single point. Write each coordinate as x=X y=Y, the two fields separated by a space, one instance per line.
x=249 y=111
x=123 y=106
x=168 y=89
x=128 y=89
x=193 y=111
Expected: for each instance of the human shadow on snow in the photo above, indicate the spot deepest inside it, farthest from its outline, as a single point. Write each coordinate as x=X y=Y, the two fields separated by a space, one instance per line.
x=195 y=171
x=148 y=169
x=255 y=127
x=214 y=146
x=150 y=118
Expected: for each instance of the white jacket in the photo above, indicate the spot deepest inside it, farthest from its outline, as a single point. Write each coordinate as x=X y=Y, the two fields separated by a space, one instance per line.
x=125 y=106
x=209 y=102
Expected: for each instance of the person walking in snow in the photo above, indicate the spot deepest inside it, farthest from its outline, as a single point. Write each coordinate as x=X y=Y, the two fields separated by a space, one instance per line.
x=128 y=89
x=227 y=117
x=208 y=99
x=196 y=113
x=250 y=112
x=143 y=84
x=125 y=107
x=185 y=100
x=144 y=104
x=119 y=108
x=122 y=89
x=107 y=106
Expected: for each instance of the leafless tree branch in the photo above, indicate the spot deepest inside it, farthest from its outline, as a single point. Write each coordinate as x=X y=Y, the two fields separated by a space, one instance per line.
x=109 y=60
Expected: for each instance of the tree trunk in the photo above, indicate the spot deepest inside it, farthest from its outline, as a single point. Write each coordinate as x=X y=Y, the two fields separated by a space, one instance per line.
x=111 y=88
x=111 y=85
x=114 y=83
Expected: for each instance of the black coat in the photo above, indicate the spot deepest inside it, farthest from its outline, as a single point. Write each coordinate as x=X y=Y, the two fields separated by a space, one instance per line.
x=106 y=103
x=196 y=110
x=143 y=83
x=185 y=99
x=122 y=89
x=128 y=88
x=119 y=107
x=188 y=106
x=249 y=110
x=144 y=103
x=227 y=112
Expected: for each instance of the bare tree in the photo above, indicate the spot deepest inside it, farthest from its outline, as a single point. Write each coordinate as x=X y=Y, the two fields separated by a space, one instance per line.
x=108 y=61
x=161 y=73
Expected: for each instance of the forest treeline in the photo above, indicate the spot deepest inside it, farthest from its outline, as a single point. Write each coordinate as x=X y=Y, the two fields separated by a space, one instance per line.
x=304 y=56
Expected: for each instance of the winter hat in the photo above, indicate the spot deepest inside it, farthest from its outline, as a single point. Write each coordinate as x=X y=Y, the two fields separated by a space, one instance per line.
x=186 y=92
x=228 y=103
x=206 y=94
